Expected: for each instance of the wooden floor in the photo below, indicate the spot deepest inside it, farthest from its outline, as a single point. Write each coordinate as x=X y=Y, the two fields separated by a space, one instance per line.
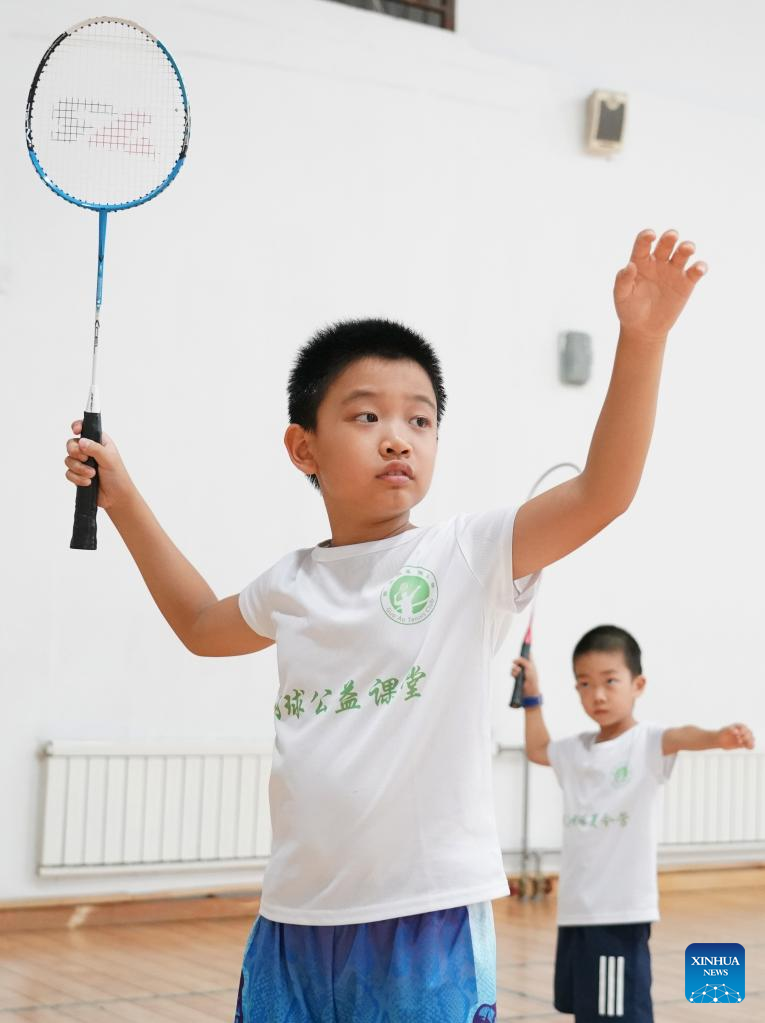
x=189 y=971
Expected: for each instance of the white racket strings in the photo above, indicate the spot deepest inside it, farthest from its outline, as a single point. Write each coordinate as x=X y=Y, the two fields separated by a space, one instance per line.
x=107 y=119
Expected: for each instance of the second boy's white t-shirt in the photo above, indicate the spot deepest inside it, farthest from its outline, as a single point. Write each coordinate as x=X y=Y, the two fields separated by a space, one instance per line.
x=381 y=785
x=610 y=825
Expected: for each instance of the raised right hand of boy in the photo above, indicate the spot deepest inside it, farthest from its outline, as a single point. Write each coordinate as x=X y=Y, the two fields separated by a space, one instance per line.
x=531 y=682
x=115 y=483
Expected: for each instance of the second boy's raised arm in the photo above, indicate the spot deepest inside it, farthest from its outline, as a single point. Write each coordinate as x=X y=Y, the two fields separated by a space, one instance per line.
x=690 y=737
x=649 y=294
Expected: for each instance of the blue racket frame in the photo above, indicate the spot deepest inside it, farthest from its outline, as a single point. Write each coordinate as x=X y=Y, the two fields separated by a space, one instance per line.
x=105 y=207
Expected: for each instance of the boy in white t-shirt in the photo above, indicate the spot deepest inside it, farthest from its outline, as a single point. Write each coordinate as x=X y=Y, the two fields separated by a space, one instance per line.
x=611 y=780
x=376 y=898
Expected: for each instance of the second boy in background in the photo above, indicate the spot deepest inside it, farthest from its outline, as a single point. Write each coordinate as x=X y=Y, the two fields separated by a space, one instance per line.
x=611 y=779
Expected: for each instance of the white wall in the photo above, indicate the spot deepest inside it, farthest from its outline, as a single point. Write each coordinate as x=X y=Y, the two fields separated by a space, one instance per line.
x=347 y=164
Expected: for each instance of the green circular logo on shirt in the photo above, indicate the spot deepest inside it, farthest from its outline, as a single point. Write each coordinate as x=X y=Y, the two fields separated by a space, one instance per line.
x=621 y=776
x=411 y=596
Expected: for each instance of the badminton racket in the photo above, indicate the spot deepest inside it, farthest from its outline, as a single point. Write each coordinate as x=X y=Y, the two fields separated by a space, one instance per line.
x=516 y=700
x=107 y=128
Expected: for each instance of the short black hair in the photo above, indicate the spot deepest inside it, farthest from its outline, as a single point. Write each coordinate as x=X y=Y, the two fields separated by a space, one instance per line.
x=333 y=348
x=605 y=639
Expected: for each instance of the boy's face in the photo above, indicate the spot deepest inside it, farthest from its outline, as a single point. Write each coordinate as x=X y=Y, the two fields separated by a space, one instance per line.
x=375 y=442
x=606 y=687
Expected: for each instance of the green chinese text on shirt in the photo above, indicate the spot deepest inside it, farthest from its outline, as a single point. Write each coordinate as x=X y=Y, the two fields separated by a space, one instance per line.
x=383 y=692
x=595 y=820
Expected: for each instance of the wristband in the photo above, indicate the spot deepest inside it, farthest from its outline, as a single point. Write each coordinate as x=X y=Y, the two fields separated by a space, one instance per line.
x=531 y=701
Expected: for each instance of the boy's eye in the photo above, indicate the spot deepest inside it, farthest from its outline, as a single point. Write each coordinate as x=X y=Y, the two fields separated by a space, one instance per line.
x=422 y=421
x=613 y=681
x=367 y=417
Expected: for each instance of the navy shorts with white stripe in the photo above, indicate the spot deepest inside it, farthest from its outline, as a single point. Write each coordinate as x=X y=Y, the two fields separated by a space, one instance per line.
x=604 y=971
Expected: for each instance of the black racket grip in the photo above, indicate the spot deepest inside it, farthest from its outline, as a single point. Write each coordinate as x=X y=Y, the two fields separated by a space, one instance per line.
x=517 y=698
x=86 y=499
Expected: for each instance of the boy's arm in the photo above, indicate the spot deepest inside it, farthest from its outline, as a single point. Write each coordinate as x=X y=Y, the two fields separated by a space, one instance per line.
x=204 y=624
x=649 y=293
x=689 y=737
x=536 y=736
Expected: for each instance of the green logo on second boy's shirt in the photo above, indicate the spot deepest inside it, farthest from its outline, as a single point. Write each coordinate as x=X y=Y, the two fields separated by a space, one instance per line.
x=411 y=596
x=621 y=776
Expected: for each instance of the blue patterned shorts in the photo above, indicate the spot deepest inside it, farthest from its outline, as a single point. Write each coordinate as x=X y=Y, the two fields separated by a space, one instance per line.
x=428 y=968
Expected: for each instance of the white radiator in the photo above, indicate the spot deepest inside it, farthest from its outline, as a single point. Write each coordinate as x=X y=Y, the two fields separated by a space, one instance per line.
x=118 y=808
x=715 y=798
x=125 y=807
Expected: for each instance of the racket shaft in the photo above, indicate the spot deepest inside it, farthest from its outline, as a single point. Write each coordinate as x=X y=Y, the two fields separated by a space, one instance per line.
x=517 y=697
x=93 y=405
x=86 y=499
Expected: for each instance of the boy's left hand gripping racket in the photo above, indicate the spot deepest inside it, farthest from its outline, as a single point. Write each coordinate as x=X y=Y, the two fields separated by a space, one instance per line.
x=107 y=129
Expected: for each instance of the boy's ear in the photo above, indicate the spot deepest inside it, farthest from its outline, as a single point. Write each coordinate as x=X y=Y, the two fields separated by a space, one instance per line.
x=639 y=682
x=297 y=443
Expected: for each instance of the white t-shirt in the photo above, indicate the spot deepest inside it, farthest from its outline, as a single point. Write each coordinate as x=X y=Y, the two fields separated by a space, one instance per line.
x=610 y=825
x=381 y=786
